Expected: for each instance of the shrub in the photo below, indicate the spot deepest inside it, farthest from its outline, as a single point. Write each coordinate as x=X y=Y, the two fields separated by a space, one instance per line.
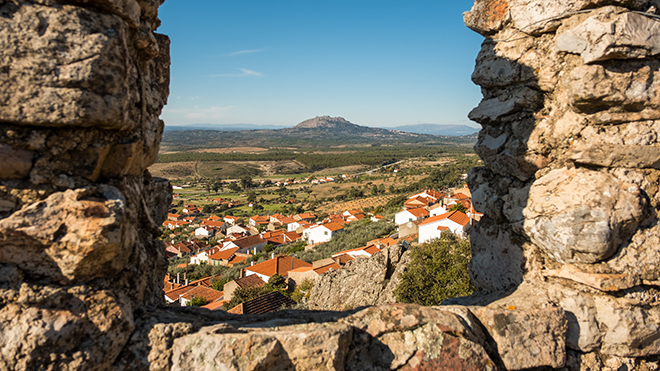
x=438 y=270
x=197 y=301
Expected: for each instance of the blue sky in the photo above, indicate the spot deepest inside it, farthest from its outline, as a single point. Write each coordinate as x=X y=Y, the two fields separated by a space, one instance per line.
x=279 y=62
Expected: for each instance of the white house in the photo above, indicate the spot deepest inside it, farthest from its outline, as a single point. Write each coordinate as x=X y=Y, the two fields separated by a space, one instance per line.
x=230 y=219
x=455 y=221
x=322 y=233
x=360 y=252
x=410 y=215
x=205 y=231
x=249 y=244
x=437 y=209
x=240 y=229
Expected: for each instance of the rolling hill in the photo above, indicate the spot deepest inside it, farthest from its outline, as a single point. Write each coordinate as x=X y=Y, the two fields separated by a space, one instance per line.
x=318 y=131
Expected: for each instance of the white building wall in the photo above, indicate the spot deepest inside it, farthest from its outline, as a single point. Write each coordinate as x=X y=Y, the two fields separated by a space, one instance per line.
x=318 y=234
x=248 y=272
x=428 y=232
x=403 y=217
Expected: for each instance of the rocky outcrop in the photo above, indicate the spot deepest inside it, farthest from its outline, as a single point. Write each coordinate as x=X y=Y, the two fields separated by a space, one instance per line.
x=368 y=281
x=83 y=84
x=569 y=188
x=564 y=261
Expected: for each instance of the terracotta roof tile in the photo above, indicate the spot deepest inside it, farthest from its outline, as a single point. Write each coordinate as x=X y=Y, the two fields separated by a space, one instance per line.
x=333 y=226
x=249 y=241
x=263 y=304
x=216 y=305
x=325 y=268
x=455 y=216
x=281 y=265
x=419 y=212
x=250 y=281
x=224 y=254
x=210 y=294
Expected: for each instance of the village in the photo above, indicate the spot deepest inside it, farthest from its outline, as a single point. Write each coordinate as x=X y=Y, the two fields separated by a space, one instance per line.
x=262 y=252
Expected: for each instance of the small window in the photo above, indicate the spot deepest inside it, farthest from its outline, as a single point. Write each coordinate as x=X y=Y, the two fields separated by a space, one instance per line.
x=325 y=233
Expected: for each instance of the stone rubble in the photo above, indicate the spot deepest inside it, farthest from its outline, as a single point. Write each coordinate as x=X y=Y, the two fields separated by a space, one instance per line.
x=565 y=260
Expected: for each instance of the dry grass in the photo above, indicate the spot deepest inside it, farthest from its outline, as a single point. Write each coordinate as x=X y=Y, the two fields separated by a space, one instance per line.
x=231 y=150
x=356 y=204
x=173 y=170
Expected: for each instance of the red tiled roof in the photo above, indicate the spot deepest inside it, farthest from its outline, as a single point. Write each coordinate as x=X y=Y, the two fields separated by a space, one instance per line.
x=210 y=294
x=281 y=265
x=250 y=281
x=174 y=294
x=205 y=281
x=418 y=200
x=333 y=226
x=287 y=220
x=455 y=216
x=238 y=258
x=211 y=223
x=325 y=268
x=345 y=258
x=419 y=212
x=215 y=305
x=224 y=254
x=248 y=241
x=370 y=249
x=263 y=304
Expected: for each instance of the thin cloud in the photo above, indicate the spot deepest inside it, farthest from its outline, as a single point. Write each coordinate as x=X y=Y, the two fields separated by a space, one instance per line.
x=244 y=72
x=214 y=112
x=241 y=52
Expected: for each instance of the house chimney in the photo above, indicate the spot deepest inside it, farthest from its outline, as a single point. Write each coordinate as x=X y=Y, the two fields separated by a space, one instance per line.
x=177 y=278
x=272 y=255
x=186 y=282
x=252 y=263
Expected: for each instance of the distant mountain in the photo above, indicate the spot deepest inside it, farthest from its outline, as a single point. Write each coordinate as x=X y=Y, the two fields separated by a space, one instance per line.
x=435 y=129
x=231 y=127
x=319 y=131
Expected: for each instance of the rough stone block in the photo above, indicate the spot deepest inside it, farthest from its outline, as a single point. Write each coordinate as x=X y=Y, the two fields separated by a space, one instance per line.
x=65 y=66
x=16 y=163
x=527 y=339
x=581 y=215
x=487 y=16
x=72 y=236
x=608 y=35
x=304 y=347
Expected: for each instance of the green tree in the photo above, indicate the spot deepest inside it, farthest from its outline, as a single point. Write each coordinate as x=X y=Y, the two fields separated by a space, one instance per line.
x=302 y=290
x=197 y=301
x=217 y=185
x=234 y=186
x=244 y=294
x=219 y=284
x=246 y=181
x=458 y=207
x=276 y=282
x=438 y=270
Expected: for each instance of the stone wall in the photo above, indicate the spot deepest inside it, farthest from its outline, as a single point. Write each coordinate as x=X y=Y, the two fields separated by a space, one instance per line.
x=571 y=153
x=82 y=84
x=565 y=259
